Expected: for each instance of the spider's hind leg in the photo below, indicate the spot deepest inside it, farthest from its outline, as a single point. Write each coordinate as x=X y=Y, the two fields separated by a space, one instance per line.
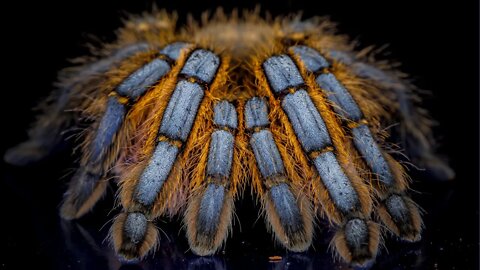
x=108 y=136
x=173 y=160
x=60 y=110
x=45 y=134
x=334 y=184
x=396 y=209
x=414 y=127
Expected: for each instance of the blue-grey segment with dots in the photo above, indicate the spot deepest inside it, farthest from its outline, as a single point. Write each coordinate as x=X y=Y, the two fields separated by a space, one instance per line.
x=256 y=113
x=286 y=207
x=306 y=121
x=368 y=148
x=336 y=181
x=110 y=123
x=312 y=59
x=201 y=64
x=176 y=124
x=225 y=115
x=210 y=209
x=398 y=210
x=142 y=79
x=339 y=95
x=181 y=110
x=156 y=172
x=135 y=227
x=173 y=50
x=356 y=233
x=268 y=158
x=220 y=154
x=145 y=77
x=282 y=73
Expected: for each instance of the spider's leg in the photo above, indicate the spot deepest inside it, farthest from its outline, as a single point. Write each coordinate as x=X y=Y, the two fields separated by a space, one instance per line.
x=210 y=208
x=414 y=128
x=336 y=185
x=57 y=110
x=157 y=184
x=397 y=210
x=109 y=134
x=288 y=213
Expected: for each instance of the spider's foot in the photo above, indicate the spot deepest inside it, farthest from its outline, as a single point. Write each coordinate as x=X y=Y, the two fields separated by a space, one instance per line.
x=133 y=235
x=208 y=219
x=402 y=217
x=82 y=194
x=438 y=169
x=290 y=218
x=357 y=242
x=25 y=153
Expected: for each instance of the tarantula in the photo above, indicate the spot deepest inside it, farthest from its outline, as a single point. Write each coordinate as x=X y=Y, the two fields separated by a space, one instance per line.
x=185 y=119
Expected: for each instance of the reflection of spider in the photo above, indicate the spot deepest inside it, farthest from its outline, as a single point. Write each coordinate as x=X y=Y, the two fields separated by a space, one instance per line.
x=185 y=120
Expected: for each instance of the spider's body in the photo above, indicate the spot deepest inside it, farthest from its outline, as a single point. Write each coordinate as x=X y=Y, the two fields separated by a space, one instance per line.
x=185 y=120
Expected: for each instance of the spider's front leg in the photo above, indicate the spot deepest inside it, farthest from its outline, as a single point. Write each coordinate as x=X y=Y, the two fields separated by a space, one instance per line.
x=110 y=134
x=169 y=158
x=287 y=210
x=335 y=184
x=210 y=208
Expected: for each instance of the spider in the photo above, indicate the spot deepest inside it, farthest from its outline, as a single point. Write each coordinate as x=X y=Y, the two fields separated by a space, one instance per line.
x=183 y=119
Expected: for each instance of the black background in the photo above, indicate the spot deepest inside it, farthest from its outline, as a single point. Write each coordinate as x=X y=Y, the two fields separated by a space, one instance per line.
x=437 y=43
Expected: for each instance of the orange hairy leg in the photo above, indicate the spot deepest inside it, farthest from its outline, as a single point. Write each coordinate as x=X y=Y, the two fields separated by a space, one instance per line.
x=110 y=133
x=112 y=98
x=176 y=133
x=413 y=130
x=396 y=209
x=287 y=210
x=87 y=185
x=134 y=159
x=345 y=198
x=209 y=211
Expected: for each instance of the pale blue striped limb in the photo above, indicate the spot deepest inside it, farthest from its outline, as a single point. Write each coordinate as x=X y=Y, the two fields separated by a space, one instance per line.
x=403 y=214
x=175 y=127
x=314 y=137
x=85 y=183
x=282 y=73
x=209 y=212
x=181 y=111
x=292 y=225
x=176 y=124
x=348 y=108
x=418 y=144
x=46 y=133
x=156 y=172
x=310 y=128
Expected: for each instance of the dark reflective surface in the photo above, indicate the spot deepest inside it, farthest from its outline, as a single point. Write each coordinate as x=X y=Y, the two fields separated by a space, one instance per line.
x=35 y=233
x=426 y=38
